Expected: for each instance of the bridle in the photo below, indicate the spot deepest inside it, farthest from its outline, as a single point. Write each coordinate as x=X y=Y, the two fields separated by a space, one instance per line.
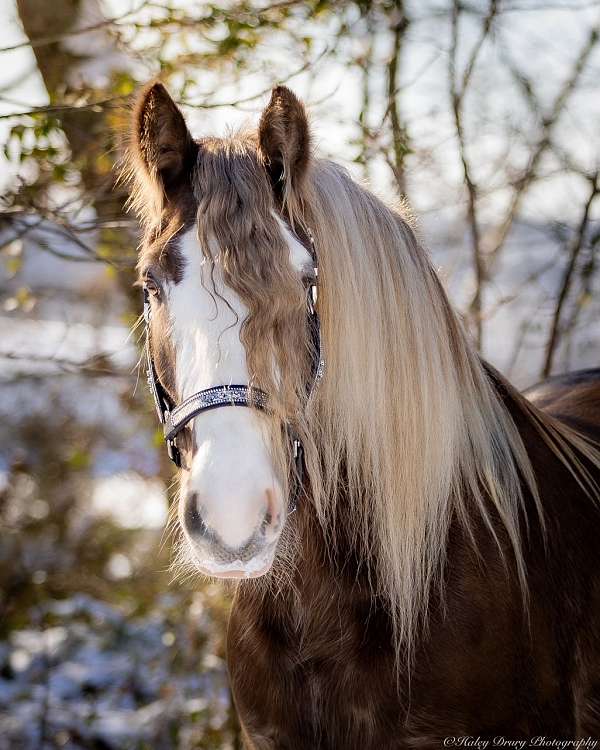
x=175 y=417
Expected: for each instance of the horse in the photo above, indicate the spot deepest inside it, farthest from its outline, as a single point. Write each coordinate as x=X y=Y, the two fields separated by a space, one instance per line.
x=413 y=542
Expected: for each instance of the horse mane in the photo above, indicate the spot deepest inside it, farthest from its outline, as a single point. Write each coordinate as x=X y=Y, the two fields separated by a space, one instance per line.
x=408 y=427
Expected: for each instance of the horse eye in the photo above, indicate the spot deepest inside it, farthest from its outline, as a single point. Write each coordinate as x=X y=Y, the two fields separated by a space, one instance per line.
x=152 y=286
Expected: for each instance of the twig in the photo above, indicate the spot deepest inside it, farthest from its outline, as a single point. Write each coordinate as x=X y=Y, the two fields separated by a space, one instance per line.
x=574 y=251
x=102 y=103
x=457 y=94
x=496 y=241
x=95 y=365
x=399 y=134
x=52 y=38
x=517 y=8
x=245 y=100
x=51 y=108
x=365 y=65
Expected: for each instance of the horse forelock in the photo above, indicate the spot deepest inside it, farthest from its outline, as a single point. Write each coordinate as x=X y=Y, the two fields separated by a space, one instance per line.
x=239 y=229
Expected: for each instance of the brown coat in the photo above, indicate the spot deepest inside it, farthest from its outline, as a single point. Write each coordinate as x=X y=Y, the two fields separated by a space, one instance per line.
x=314 y=668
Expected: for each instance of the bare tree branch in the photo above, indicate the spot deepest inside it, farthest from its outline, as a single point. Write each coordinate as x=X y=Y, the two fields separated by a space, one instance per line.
x=495 y=241
x=253 y=97
x=53 y=38
x=485 y=30
x=63 y=231
x=575 y=248
x=96 y=106
x=98 y=365
x=101 y=104
x=547 y=5
x=399 y=133
x=365 y=64
x=457 y=94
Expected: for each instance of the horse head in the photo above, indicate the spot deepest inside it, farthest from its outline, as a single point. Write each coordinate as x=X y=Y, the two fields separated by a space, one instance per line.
x=229 y=278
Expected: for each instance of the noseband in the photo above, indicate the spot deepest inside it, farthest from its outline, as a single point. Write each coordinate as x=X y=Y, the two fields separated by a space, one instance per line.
x=175 y=417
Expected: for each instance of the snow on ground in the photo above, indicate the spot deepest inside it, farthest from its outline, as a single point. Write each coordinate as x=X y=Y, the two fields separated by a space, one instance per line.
x=91 y=676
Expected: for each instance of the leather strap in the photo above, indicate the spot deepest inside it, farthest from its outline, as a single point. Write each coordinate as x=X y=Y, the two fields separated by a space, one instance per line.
x=211 y=398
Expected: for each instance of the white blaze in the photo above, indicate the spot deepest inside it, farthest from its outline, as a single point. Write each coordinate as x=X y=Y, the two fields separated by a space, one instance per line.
x=231 y=471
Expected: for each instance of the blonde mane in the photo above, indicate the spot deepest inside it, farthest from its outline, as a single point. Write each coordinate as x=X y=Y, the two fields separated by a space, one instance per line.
x=406 y=427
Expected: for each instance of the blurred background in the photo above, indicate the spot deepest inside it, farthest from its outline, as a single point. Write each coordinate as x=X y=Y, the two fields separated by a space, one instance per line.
x=484 y=115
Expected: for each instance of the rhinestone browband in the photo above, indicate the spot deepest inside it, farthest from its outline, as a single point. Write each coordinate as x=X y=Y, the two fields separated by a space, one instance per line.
x=220 y=395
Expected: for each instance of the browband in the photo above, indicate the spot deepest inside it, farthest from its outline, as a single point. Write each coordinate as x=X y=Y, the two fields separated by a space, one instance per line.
x=211 y=398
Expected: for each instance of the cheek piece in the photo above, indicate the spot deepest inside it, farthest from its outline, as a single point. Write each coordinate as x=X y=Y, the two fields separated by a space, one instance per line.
x=174 y=417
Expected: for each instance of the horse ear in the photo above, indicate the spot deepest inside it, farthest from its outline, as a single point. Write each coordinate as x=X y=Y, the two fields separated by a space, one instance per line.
x=284 y=139
x=161 y=143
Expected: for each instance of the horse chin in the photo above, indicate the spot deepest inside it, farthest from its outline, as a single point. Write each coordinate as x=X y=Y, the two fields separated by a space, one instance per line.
x=236 y=569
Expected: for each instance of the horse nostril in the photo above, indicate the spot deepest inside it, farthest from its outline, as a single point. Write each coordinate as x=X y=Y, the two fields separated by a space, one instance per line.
x=271 y=519
x=266 y=522
x=194 y=524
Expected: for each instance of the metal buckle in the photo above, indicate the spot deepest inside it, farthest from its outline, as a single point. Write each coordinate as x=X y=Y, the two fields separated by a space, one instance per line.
x=173 y=452
x=298 y=456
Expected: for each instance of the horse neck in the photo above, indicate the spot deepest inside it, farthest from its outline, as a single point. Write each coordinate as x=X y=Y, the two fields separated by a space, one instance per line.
x=337 y=551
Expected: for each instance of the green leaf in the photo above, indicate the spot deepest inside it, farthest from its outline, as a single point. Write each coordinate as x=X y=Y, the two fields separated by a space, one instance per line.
x=79 y=460
x=13 y=265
